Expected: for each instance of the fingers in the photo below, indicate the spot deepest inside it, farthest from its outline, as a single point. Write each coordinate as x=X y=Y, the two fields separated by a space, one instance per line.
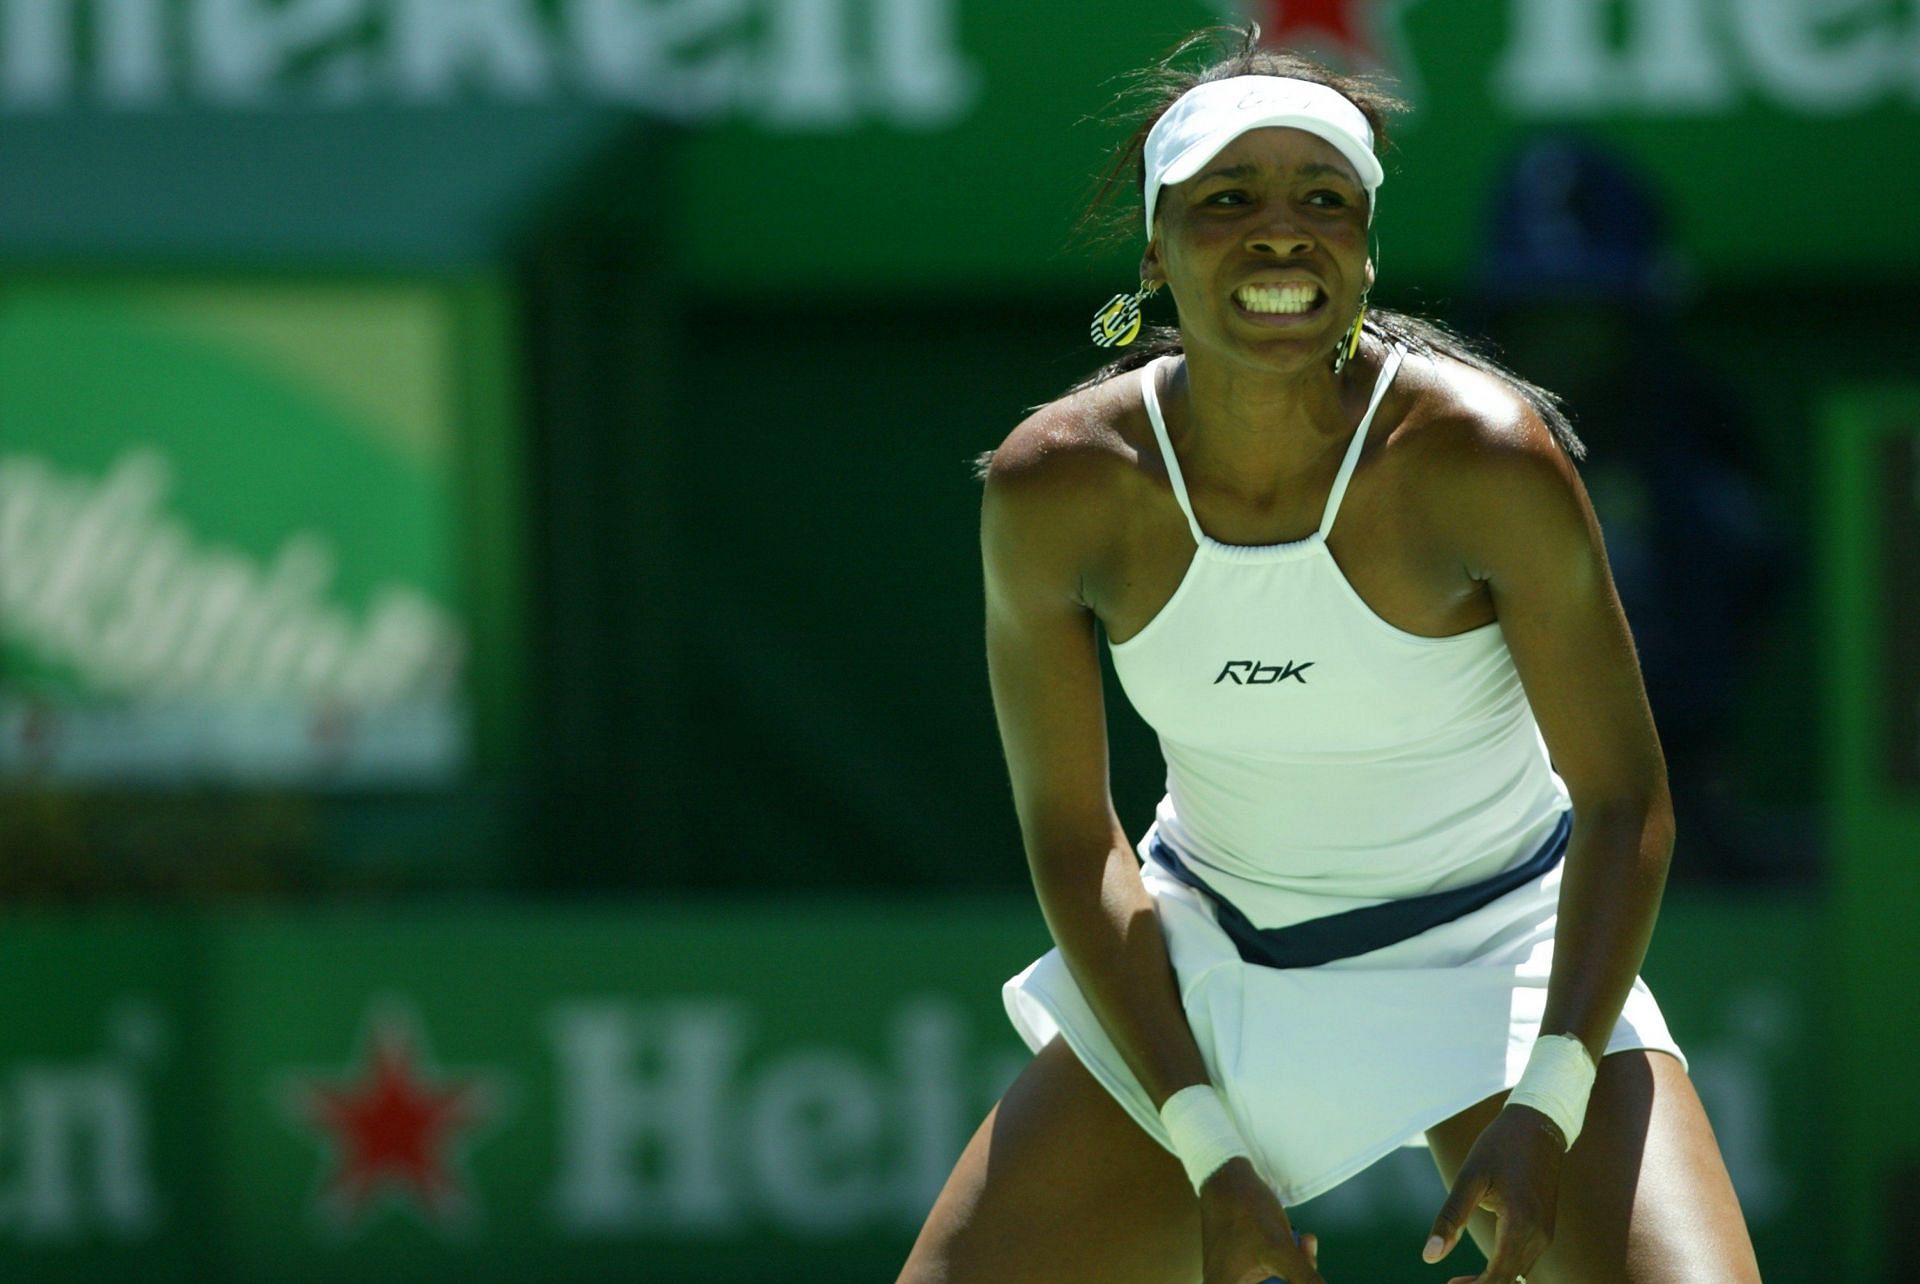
x=1301 y=1267
x=1468 y=1190
x=1284 y=1275
x=1246 y=1237
x=1267 y=1263
x=1268 y=1274
x=1517 y=1244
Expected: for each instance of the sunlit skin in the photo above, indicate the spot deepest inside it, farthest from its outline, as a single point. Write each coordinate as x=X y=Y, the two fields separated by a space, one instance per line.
x=1257 y=394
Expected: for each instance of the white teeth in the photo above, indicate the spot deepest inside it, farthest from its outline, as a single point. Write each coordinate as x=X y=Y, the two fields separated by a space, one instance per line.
x=1277 y=298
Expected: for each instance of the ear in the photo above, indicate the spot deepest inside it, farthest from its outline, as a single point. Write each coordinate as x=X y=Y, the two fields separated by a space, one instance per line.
x=1369 y=272
x=1150 y=269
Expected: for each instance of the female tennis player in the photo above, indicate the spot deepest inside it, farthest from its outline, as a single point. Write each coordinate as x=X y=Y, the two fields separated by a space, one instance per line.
x=1416 y=826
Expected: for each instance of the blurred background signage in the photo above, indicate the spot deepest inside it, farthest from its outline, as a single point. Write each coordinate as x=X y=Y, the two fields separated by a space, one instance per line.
x=502 y=1096
x=1870 y=597
x=940 y=142
x=786 y=64
x=814 y=63
x=230 y=516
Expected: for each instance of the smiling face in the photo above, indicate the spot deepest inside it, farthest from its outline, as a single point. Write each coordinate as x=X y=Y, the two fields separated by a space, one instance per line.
x=1265 y=249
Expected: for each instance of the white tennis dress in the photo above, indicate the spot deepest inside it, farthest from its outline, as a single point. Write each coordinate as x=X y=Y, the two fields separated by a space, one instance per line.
x=1371 y=813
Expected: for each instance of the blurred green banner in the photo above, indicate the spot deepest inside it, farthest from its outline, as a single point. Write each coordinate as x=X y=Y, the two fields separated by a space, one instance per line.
x=860 y=144
x=1870 y=635
x=231 y=517
x=692 y=1093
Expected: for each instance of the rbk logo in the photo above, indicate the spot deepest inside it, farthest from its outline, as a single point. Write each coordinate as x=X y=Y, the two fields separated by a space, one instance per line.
x=1252 y=673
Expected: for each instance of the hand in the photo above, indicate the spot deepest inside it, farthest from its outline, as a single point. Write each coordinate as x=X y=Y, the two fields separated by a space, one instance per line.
x=1513 y=1171
x=1245 y=1237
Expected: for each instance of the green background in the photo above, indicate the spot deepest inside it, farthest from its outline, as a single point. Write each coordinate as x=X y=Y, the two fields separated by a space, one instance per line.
x=838 y=1092
x=1872 y=489
x=1778 y=133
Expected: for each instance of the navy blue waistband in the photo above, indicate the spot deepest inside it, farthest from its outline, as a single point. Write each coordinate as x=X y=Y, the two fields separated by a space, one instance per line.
x=1371 y=927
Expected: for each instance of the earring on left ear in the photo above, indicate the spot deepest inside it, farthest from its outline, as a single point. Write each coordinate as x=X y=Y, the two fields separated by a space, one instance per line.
x=1118 y=323
x=1351 y=343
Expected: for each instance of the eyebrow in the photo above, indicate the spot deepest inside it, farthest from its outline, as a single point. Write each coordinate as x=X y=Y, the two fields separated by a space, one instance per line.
x=1312 y=169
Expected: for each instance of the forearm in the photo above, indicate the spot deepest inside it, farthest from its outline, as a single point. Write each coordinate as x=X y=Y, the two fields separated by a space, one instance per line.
x=1104 y=922
x=1616 y=871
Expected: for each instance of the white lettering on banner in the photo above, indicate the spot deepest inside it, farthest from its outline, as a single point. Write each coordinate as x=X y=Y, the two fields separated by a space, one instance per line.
x=1847 y=67
x=614 y=1117
x=923 y=79
x=929 y=1041
x=813 y=1123
x=241 y=48
x=1740 y=1098
x=78 y=1132
x=1675 y=62
x=36 y=37
x=810 y=81
x=1700 y=57
x=96 y=577
x=498 y=40
x=1559 y=58
x=681 y=58
x=665 y=1129
x=133 y=62
x=788 y=64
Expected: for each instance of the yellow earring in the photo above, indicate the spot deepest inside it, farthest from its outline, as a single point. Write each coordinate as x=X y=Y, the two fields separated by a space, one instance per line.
x=1118 y=323
x=1351 y=343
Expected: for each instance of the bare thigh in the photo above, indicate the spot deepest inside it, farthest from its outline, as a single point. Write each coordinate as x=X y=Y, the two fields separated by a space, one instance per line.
x=1644 y=1194
x=1060 y=1185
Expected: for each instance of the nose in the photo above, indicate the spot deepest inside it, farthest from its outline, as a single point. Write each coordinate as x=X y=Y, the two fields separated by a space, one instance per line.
x=1279 y=237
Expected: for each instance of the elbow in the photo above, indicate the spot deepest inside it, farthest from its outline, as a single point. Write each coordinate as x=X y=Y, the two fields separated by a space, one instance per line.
x=1068 y=868
x=1644 y=822
x=1657 y=834
x=1656 y=823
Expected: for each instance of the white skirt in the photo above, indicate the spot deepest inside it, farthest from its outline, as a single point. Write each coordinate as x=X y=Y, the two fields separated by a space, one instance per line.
x=1327 y=1069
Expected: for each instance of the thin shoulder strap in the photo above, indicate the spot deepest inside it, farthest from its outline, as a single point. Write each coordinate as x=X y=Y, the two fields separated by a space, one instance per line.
x=1388 y=369
x=1152 y=398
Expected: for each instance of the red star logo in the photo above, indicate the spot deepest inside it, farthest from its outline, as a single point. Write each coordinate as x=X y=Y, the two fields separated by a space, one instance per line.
x=393 y=1124
x=1330 y=27
x=1351 y=35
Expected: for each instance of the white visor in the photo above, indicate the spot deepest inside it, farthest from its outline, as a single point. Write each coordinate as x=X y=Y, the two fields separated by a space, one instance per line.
x=1208 y=117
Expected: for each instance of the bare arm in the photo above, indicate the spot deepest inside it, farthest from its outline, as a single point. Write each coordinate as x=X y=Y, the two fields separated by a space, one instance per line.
x=1526 y=528
x=1043 y=662
x=1039 y=527
x=1512 y=508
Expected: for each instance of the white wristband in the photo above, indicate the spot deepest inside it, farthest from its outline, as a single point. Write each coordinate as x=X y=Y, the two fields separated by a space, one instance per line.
x=1557 y=1081
x=1204 y=1135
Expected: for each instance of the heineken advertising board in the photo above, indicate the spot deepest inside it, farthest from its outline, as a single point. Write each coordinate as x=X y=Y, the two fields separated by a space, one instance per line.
x=1870 y=634
x=697 y=1094
x=866 y=144
x=231 y=523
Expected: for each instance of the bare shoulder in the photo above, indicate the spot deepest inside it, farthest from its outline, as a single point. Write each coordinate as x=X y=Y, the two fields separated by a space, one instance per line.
x=1063 y=474
x=1462 y=417
x=1488 y=466
x=1066 y=444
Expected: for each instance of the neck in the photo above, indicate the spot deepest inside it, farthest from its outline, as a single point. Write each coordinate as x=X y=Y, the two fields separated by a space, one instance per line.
x=1254 y=430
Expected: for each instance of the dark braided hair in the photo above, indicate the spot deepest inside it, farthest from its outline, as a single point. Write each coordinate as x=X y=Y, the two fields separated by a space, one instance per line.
x=1146 y=96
